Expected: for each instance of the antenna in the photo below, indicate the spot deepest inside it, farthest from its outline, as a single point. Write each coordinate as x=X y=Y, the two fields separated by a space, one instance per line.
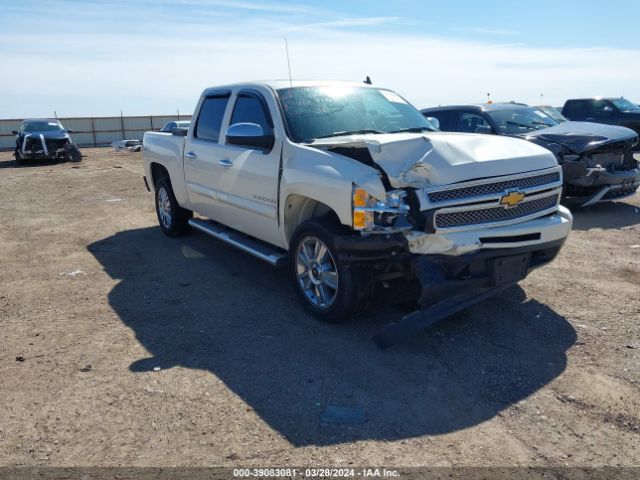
x=286 y=47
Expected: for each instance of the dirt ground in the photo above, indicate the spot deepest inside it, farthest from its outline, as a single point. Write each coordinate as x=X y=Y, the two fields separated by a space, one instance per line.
x=120 y=346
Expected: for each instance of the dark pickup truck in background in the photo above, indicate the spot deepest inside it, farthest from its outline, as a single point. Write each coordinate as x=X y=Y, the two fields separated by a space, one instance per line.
x=613 y=111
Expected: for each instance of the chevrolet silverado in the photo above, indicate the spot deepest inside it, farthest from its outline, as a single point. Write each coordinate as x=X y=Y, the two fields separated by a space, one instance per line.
x=350 y=187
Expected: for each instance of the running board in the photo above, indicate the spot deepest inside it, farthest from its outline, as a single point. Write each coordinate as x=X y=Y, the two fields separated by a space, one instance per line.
x=258 y=249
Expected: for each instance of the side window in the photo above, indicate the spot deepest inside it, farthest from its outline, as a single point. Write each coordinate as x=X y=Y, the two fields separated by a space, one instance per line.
x=446 y=119
x=249 y=109
x=602 y=107
x=471 y=123
x=210 y=118
x=574 y=108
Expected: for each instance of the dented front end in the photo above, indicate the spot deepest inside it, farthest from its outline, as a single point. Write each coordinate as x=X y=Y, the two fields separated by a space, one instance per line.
x=39 y=146
x=597 y=160
x=461 y=218
x=445 y=196
x=601 y=176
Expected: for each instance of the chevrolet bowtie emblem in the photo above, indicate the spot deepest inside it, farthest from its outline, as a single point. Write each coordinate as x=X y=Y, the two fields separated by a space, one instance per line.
x=511 y=199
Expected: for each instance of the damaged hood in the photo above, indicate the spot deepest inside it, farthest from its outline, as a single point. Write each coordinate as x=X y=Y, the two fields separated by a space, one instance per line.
x=441 y=158
x=582 y=137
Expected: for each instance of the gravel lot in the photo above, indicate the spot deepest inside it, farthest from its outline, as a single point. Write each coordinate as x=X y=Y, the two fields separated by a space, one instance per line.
x=120 y=346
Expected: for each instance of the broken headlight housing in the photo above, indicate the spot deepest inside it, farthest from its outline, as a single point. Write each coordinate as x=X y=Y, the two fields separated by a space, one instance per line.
x=371 y=215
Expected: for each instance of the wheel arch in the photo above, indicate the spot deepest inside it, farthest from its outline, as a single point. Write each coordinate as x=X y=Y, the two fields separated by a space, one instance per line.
x=157 y=172
x=299 y=208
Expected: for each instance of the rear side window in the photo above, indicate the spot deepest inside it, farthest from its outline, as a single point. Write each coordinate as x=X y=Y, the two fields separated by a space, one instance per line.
x=447 y=119
x=210 y=118
x=575 y=108
x=470 y=122
x=249 y=109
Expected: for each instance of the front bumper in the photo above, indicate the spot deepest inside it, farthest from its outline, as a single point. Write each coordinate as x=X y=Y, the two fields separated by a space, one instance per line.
x=451 y=284
x=41 y=155
x=587 y=188
x=458 y=269
x=444 y=276
x=400 y=246
x=540 y=230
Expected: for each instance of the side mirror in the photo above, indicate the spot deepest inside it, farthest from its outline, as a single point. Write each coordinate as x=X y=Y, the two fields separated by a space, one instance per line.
x=249 y=135
x=434 y=121
x=70 y=130
x=179 y=131
x=15 y=132
x=483 y=129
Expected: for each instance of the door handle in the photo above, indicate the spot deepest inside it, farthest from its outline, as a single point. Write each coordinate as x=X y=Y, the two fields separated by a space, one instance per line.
x=225 y=163
x=190 y=155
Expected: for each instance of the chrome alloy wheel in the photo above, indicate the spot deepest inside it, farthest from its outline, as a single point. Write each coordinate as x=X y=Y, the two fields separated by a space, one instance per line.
x=317 y=273
x=164 y=207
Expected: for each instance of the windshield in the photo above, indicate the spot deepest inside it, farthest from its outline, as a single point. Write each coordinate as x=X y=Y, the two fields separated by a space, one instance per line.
x=520 y=120
x=624 y=105
x=316 y=112
x=41 y=126
x=553 y=113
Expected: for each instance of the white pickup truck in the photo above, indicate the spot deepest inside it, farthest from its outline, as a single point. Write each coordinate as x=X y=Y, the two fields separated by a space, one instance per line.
x=351 y=187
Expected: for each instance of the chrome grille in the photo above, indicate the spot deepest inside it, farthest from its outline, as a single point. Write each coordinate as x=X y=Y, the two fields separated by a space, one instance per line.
x=494 y=214
x=493 y=188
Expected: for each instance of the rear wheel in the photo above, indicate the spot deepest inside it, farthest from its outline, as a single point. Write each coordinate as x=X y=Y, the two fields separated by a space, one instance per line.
x=330 y=290
x=173 y=219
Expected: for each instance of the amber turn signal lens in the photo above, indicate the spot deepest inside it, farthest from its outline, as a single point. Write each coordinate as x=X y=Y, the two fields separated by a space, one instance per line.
x=360 y=197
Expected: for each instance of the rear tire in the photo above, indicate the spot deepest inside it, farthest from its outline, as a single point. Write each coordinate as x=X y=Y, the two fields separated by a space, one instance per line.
x=173 y=219
x=330 y=290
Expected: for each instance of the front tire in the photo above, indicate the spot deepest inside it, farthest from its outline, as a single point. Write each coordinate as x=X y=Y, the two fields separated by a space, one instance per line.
x=329 y=289
x=74 y=154
x=19 y=159
x=173 y=219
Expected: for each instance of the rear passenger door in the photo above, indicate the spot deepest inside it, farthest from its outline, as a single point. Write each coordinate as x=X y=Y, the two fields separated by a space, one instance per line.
x=248 y=181
x=202 y=153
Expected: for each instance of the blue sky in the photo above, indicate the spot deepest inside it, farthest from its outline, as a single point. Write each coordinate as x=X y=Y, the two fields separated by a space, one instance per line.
x=156 y=56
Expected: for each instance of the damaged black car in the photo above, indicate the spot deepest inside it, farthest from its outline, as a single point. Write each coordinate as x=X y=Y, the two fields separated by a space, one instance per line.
x=597 y=160
x=44 y=139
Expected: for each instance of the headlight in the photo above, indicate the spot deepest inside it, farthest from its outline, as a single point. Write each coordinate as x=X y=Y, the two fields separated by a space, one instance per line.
x=372 y=215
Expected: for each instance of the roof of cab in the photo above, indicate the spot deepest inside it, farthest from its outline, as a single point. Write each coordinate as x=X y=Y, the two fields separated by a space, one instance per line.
x=41 y=120
x=279 y=84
